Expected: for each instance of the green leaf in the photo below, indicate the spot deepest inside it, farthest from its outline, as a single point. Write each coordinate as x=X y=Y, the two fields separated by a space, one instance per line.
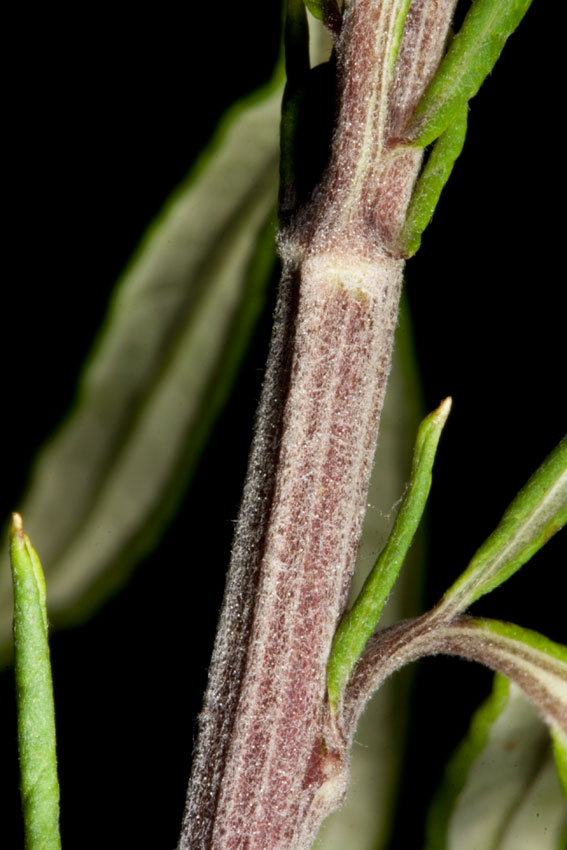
x=431 y=181
x=364 y=821
x=160 y=372
x=537 y=513
x=470 y=58
x=359 y=623
x=34 y=694
x=500 y=790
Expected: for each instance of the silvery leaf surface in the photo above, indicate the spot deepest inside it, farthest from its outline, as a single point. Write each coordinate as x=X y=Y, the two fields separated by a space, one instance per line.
x=501 y=789
x=176 y=330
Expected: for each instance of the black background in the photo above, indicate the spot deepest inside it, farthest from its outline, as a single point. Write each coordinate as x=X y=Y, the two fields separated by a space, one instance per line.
x=106 y=112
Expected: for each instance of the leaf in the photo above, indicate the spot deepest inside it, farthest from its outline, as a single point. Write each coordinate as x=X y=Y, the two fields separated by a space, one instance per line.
x=34 y=694
x=359 y=623
x=500 y=790
x=431 y=181
x=470 y=58
x=160 y=372
x=364 y=820
x=537 y=513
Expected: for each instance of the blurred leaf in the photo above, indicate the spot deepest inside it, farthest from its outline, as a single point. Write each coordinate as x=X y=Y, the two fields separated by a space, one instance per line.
x=500 y=790
x=537 y=513
x=471 y=57
x=364 y=821
x=178 y=325
x=39 y=785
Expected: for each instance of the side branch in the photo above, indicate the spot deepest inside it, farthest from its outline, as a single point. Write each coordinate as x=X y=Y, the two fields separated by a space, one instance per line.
x=534 y=663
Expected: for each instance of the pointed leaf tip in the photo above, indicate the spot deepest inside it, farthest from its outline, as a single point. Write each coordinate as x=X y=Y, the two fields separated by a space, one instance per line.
x=443 y=411
x=34 y=693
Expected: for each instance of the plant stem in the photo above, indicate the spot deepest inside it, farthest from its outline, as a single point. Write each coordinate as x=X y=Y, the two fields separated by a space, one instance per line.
x=277 y=759
x=270 y=762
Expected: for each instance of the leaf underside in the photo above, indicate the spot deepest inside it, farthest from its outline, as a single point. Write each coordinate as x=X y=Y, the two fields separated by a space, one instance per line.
x=500 y=790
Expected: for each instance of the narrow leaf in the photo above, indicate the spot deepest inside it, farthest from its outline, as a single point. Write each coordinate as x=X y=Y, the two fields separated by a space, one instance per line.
x=359 y=623
x=431 y=181
x=470 y=58
x=161 y=370
x=500 y=790
x=536 y=514
x=34 y=694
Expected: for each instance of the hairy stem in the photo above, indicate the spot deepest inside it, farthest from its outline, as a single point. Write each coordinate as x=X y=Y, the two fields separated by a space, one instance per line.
x=270 y=763
x=503 y=647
